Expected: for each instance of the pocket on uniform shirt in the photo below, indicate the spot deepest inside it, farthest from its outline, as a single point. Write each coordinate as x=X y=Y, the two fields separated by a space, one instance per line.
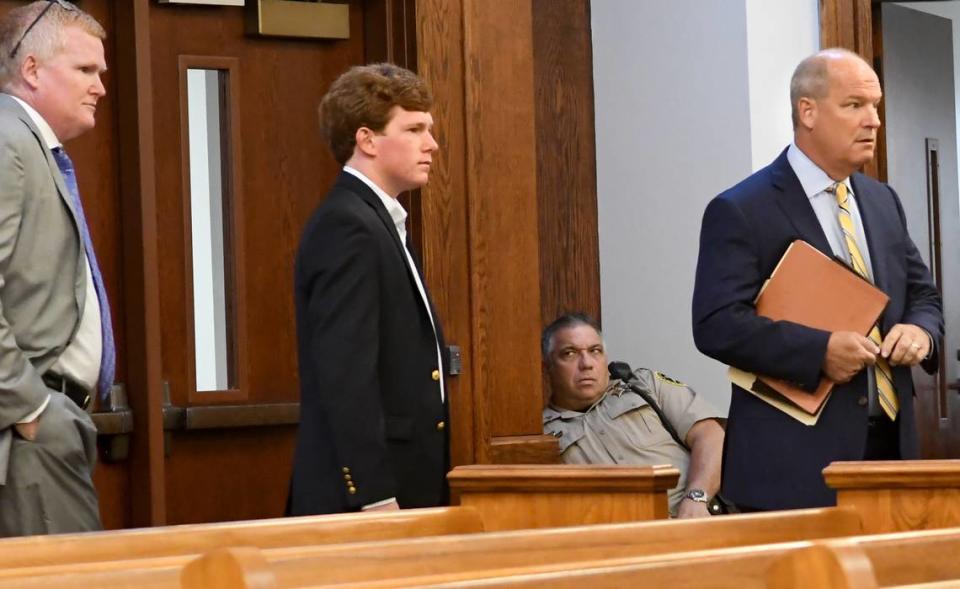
x=398 y=428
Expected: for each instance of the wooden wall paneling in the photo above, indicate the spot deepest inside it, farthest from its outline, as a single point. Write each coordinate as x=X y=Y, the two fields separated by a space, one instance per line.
x=138 y=217
x=390 y=32
x=566 y=160
x=503 y=225
x=837 y=23
x=445 y=246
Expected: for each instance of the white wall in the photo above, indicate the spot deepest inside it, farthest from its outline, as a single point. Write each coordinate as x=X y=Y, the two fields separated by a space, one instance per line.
x=779 y=35
x=688 y=100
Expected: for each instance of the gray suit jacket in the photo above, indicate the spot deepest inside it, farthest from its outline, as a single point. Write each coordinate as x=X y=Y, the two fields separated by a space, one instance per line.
x=42 y=274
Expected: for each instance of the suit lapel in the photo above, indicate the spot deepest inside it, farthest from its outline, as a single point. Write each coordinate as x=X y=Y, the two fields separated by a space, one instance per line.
x=10 y=103
x=357 y=186
x=795 y=203
x=872 y=227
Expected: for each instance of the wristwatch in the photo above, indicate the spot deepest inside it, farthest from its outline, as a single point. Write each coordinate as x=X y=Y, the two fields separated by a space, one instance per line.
x=698 y=495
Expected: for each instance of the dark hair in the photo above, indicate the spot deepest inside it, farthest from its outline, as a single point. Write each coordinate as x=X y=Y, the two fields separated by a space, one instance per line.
x=565 y=321
x=363 y=97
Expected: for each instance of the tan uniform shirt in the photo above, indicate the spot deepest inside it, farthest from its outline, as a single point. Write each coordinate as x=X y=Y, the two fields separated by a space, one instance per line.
x=621 y=428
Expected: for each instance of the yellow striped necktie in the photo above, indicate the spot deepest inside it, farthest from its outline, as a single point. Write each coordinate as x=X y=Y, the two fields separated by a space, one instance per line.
x=883 y=375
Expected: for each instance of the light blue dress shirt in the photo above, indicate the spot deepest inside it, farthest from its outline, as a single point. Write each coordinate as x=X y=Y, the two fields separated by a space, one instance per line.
x=815 y=183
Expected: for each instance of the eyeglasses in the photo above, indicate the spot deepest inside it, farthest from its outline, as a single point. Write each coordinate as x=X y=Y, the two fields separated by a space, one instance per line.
x=61 y=3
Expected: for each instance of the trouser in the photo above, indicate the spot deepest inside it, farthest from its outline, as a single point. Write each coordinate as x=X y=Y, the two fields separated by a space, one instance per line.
x=49 y=487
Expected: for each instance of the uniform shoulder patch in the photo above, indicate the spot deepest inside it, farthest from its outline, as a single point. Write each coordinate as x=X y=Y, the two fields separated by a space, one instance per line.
x=663 y=377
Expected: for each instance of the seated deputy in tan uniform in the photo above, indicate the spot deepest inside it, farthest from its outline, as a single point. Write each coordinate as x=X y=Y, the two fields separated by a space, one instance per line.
x=604 y=421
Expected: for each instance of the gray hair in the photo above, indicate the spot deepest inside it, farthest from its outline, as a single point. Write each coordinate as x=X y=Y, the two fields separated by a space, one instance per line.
x=566 y=321
x=811 y=79
x=44 y=40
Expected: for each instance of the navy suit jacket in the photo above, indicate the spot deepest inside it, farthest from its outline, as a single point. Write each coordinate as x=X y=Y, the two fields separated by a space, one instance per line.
x=370 y=405
x=772 y=461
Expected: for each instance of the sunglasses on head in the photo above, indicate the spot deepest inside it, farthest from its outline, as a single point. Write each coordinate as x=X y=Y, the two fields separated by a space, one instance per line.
x=61 y=3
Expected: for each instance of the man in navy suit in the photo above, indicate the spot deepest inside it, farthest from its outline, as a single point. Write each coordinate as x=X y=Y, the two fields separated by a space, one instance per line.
x=813 y=191
x=373 y=431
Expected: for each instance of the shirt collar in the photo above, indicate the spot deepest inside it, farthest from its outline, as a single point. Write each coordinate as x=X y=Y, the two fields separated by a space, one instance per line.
x=397 y=213
x=46 y=133
x=553 y=412
x=812 y=178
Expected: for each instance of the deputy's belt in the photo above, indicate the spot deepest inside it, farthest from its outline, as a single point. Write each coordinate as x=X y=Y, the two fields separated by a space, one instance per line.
x=72 y=390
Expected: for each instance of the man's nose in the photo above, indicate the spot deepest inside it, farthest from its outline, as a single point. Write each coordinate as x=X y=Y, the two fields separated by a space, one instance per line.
x=587 y=360
x=431 y=144
x=98 y=88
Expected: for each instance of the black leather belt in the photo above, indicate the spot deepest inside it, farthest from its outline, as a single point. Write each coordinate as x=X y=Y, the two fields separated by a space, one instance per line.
x=72 y=390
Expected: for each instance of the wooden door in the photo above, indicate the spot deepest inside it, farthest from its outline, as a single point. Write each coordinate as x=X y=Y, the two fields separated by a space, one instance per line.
x=229 y=452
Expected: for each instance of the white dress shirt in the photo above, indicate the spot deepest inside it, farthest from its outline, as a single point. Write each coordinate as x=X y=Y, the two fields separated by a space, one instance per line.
x=80 y=360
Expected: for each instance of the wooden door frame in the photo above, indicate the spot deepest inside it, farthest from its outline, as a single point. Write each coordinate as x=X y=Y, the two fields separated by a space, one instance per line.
x=140 y=262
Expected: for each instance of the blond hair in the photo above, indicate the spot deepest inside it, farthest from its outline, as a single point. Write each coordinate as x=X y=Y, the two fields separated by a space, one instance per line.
x=45 y=39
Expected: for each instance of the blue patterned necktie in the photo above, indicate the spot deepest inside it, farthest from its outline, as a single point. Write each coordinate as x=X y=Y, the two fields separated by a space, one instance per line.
x=108 y=361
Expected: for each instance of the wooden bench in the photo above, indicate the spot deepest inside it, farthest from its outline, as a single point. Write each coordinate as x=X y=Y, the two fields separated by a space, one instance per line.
x=906 y=559
x=899 y=495
x=42 y=552
x=912 y=560
x=396 y=562
x=514 y=496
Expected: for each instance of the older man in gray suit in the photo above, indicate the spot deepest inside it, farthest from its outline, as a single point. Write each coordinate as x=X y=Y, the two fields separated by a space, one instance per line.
x=56 y=337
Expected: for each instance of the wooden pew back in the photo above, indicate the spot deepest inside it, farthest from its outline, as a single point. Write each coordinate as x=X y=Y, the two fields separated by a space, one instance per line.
x=927 y=557
x=395 y=562
x=65 y=549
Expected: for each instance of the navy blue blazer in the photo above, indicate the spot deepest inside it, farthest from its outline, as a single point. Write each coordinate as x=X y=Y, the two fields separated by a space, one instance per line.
x=370 y=403
x=770 y=460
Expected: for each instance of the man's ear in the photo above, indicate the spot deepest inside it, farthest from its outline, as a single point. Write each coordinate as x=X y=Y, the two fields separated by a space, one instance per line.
x=365 y=143
x=806 y=112
x=29 y=72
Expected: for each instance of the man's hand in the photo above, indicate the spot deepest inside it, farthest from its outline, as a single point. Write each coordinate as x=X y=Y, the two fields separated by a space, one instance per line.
x=847 y=354
x=905 y=345
x=689 y=509
x=28 y=431
x=392 y=506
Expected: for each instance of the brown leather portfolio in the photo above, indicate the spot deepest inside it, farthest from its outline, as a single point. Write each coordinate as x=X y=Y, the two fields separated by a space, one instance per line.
x=811 y=289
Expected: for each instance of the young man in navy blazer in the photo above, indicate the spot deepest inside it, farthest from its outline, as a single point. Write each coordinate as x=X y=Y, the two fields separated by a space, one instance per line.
x=772 y=461
x=373 y=431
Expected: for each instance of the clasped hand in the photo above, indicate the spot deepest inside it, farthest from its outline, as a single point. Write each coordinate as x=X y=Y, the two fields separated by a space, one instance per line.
x=848 y=353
